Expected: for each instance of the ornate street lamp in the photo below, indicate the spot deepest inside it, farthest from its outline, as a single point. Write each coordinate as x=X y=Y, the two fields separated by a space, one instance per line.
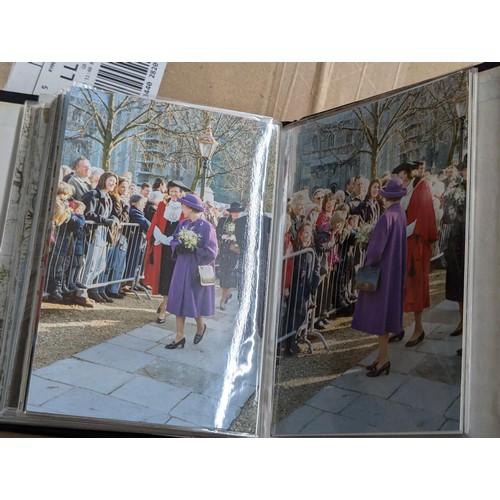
x=207 y=145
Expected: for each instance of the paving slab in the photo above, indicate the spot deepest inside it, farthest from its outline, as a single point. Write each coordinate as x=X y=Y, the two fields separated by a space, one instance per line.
x=202 y=410
x=357 y=381
x=42 y=390
x=332 y=399
x=133 y=342
x=115 y=356
x=90 y=404
x=402 y=361
x=150 y=332
x=451 y=425
x=444 y=369
x=454 y=410
x=441 y=347
x=239 y=390
x=85 y=375
x=186 y=355
x=426 y=394
x=391 y=416
x=294 y=423
x=328 y=424
x=151 y=394
x=179 y=374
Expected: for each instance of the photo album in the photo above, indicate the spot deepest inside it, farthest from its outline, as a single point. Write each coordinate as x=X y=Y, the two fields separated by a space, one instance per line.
x=171 y=269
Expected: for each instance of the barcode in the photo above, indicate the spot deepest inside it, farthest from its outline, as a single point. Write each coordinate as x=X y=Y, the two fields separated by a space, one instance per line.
x=126 y=77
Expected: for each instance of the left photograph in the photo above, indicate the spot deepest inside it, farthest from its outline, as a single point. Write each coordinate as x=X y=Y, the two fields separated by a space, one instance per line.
x=157 y=247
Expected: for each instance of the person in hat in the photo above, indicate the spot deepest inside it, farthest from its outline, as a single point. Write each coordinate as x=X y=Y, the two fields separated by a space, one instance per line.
x=194 y=244
x=158 y=261
x=381 y=312
x=228 y=252
x=422 y=233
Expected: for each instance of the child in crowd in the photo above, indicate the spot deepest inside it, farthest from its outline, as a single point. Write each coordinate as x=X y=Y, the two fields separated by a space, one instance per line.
x=77 y=223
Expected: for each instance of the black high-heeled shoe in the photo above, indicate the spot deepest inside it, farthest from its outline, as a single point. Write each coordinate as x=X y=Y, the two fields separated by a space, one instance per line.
x=413 y=343
x=378 y=371
x=199 y=336
x=161 y=320
x=175 y=345
x=372 y=366
x=396 y=338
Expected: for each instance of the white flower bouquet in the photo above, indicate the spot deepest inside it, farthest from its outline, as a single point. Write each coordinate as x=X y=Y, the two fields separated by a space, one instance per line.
x=363 y=235
x=456 y=194
x=188 y=238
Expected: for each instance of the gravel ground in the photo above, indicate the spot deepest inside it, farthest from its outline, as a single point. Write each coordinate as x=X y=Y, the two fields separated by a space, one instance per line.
x=65 y=330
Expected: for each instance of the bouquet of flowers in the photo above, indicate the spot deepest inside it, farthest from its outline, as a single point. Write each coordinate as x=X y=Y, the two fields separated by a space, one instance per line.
x=363 y=235
x=188 y=238
x=456 y=194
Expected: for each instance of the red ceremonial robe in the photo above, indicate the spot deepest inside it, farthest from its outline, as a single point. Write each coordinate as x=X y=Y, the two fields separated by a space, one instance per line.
x=152 y=256
x=419 y=248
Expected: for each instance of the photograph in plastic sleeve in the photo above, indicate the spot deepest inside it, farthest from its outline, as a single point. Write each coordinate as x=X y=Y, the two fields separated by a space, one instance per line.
x=157 y=251
x=372 y=291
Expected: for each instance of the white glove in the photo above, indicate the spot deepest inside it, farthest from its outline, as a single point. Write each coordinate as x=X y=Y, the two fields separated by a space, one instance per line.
x=160 y=238
x=168 y=240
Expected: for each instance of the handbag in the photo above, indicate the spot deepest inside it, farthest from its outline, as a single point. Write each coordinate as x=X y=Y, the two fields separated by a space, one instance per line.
x=206 y=275
x=367 y=279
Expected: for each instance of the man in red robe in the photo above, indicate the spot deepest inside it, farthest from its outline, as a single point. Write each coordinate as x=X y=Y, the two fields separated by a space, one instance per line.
x=158 y=261
x=421 y=233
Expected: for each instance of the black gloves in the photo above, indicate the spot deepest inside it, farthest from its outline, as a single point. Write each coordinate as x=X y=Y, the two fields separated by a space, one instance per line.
x=182 y=249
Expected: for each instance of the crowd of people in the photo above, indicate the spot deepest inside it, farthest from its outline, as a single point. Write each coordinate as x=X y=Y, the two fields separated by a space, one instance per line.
x=397 y=223
x=110 y=235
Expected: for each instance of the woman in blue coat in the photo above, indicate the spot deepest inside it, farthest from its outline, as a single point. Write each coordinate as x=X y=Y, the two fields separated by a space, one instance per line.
x=187 y=297
x=381 y=312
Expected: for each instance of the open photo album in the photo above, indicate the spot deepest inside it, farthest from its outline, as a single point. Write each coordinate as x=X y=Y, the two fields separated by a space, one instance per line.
x=172 y=269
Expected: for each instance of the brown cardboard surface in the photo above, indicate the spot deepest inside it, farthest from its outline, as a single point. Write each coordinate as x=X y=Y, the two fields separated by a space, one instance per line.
x=286 y=91
x=291 y=90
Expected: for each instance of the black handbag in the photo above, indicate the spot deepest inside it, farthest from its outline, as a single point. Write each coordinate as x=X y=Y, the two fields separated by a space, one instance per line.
x=367 y=279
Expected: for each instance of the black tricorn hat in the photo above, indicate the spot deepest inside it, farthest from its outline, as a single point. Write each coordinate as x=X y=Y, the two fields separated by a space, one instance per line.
x=178 y=184
x=405 y=167
x=236 y=206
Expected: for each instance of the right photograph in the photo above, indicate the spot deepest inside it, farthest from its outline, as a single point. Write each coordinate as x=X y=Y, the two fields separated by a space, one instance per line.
x=373 y=272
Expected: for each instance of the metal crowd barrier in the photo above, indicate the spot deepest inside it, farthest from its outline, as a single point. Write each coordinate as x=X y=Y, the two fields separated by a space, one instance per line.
x=335 y=290
x=95 y=256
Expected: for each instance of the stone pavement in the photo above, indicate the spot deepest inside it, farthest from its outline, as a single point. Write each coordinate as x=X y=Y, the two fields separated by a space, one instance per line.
x=420 y=395
x=132 y=377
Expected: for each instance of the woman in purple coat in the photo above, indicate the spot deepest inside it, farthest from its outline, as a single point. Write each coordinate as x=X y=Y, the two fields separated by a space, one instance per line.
x=381 y=312
x=194 y=243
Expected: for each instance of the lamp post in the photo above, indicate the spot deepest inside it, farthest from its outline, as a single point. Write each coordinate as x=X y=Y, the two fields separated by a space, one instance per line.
x=207 y=145
x=461 y=108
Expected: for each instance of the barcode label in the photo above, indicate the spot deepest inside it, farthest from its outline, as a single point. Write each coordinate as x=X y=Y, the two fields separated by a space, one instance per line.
x=126 y=77
x=141 y=79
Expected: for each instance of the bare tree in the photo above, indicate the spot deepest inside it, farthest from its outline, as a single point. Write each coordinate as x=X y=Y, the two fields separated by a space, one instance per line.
x=110 y=120
x=426 y=113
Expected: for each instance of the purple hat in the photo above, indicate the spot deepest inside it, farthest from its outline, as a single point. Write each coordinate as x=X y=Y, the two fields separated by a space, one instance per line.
x=393 y=189
x=192 y=201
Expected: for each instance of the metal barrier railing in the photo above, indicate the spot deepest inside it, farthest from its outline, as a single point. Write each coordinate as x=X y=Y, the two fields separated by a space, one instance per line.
x=322 y=285
x=93 y=256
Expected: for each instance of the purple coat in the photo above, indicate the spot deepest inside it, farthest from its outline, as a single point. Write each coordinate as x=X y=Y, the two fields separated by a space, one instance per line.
x=381 y=311
x=186 y=296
